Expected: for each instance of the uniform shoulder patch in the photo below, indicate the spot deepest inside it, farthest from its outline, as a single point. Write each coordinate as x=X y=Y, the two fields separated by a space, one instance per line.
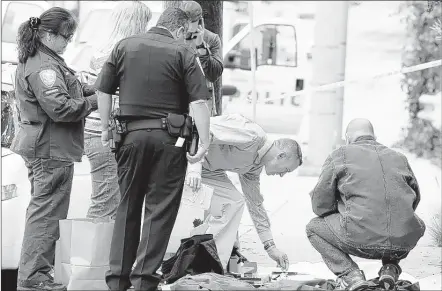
x=48 y=77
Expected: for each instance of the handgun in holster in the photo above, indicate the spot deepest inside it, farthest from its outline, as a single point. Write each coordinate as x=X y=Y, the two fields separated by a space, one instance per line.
x=117 y=131
x=193 y=146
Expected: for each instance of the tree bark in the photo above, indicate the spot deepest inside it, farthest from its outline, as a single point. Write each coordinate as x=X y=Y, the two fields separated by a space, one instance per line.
x=213 y=21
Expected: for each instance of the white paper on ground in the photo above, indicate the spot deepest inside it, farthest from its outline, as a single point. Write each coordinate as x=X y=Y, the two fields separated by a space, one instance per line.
x=201 y=198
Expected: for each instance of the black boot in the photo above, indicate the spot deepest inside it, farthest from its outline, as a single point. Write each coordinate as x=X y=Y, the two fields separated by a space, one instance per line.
x=388 y=276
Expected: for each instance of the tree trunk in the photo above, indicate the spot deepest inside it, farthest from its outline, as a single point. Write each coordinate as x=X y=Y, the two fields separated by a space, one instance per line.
x=213 y=21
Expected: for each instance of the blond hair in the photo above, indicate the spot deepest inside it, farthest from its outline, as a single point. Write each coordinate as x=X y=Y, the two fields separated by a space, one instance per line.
x=127 y=18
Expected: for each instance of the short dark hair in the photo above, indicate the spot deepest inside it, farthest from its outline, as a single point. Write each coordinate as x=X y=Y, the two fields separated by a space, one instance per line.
x=55 y=20
x=173 y=18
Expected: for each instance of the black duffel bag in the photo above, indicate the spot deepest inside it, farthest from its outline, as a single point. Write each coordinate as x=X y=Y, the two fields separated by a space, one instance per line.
x=196 y=255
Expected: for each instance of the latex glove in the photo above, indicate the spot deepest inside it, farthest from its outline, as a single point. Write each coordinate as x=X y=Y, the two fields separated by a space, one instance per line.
x=193 y=177
x=279 y=257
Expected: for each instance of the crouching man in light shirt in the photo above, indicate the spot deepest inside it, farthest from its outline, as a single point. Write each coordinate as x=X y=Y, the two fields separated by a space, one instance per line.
x=241 y=146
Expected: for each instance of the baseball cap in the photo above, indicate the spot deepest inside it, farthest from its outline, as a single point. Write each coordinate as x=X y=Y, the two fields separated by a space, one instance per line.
x=193 y=10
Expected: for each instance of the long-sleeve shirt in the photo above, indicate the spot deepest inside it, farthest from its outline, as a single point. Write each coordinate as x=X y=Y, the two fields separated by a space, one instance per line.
x=238 y=145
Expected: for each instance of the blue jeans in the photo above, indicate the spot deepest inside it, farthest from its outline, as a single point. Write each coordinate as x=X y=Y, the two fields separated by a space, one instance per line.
x=105 y=190
x=335 y=252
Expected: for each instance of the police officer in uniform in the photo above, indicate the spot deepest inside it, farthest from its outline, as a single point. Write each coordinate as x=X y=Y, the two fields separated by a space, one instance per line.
x=52 y=108
x=158 y=76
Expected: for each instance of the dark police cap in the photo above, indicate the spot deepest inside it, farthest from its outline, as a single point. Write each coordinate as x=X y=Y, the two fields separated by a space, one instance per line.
x=193 y=9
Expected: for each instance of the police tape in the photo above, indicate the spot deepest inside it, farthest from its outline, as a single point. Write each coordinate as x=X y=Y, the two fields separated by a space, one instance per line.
x=335 y=85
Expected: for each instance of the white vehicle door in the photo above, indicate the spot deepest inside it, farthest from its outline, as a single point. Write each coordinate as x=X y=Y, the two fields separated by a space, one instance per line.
x=15 y=13
x=276 y=74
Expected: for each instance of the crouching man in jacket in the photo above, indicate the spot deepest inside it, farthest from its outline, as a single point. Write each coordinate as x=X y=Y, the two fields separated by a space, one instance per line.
x=365 y=200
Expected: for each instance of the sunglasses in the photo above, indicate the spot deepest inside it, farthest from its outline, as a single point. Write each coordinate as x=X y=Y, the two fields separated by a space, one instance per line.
x=68 y=38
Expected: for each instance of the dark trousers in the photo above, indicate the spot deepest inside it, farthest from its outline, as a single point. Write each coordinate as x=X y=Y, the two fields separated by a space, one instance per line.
x=152 y=169
x=335 y=252
x=51 y=184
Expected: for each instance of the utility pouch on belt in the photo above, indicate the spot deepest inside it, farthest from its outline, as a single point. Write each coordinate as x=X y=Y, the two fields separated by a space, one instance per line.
x=179 y=125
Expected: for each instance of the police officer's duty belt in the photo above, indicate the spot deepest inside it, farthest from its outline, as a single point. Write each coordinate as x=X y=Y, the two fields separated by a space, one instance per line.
x=146 y=124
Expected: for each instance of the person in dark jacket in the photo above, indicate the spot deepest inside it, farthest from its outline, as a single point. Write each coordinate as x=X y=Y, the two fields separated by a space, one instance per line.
x=208 y=47
x=52 y=108
x=365 y=201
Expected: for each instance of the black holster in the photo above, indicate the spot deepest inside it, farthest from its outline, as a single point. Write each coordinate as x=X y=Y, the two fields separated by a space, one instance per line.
x=193 y=146
x=117 y=130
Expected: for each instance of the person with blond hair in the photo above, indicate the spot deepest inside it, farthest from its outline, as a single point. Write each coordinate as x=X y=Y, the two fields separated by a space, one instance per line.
x=128 y=18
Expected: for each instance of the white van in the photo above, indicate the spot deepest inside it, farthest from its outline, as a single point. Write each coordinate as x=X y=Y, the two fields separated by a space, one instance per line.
x=15 y=13
x=283 y=66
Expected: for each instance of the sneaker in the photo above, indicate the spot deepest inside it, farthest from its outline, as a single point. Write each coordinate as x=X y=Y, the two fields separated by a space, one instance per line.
x=388 y=275
x=353 y=281
x=41 y=286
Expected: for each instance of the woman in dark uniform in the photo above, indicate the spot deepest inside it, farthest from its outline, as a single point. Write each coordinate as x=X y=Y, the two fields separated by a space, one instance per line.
x=52 y=108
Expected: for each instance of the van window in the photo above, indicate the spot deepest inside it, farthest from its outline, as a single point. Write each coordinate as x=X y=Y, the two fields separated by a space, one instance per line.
x=17 y=13
x=286 y=48
x=275 y=45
